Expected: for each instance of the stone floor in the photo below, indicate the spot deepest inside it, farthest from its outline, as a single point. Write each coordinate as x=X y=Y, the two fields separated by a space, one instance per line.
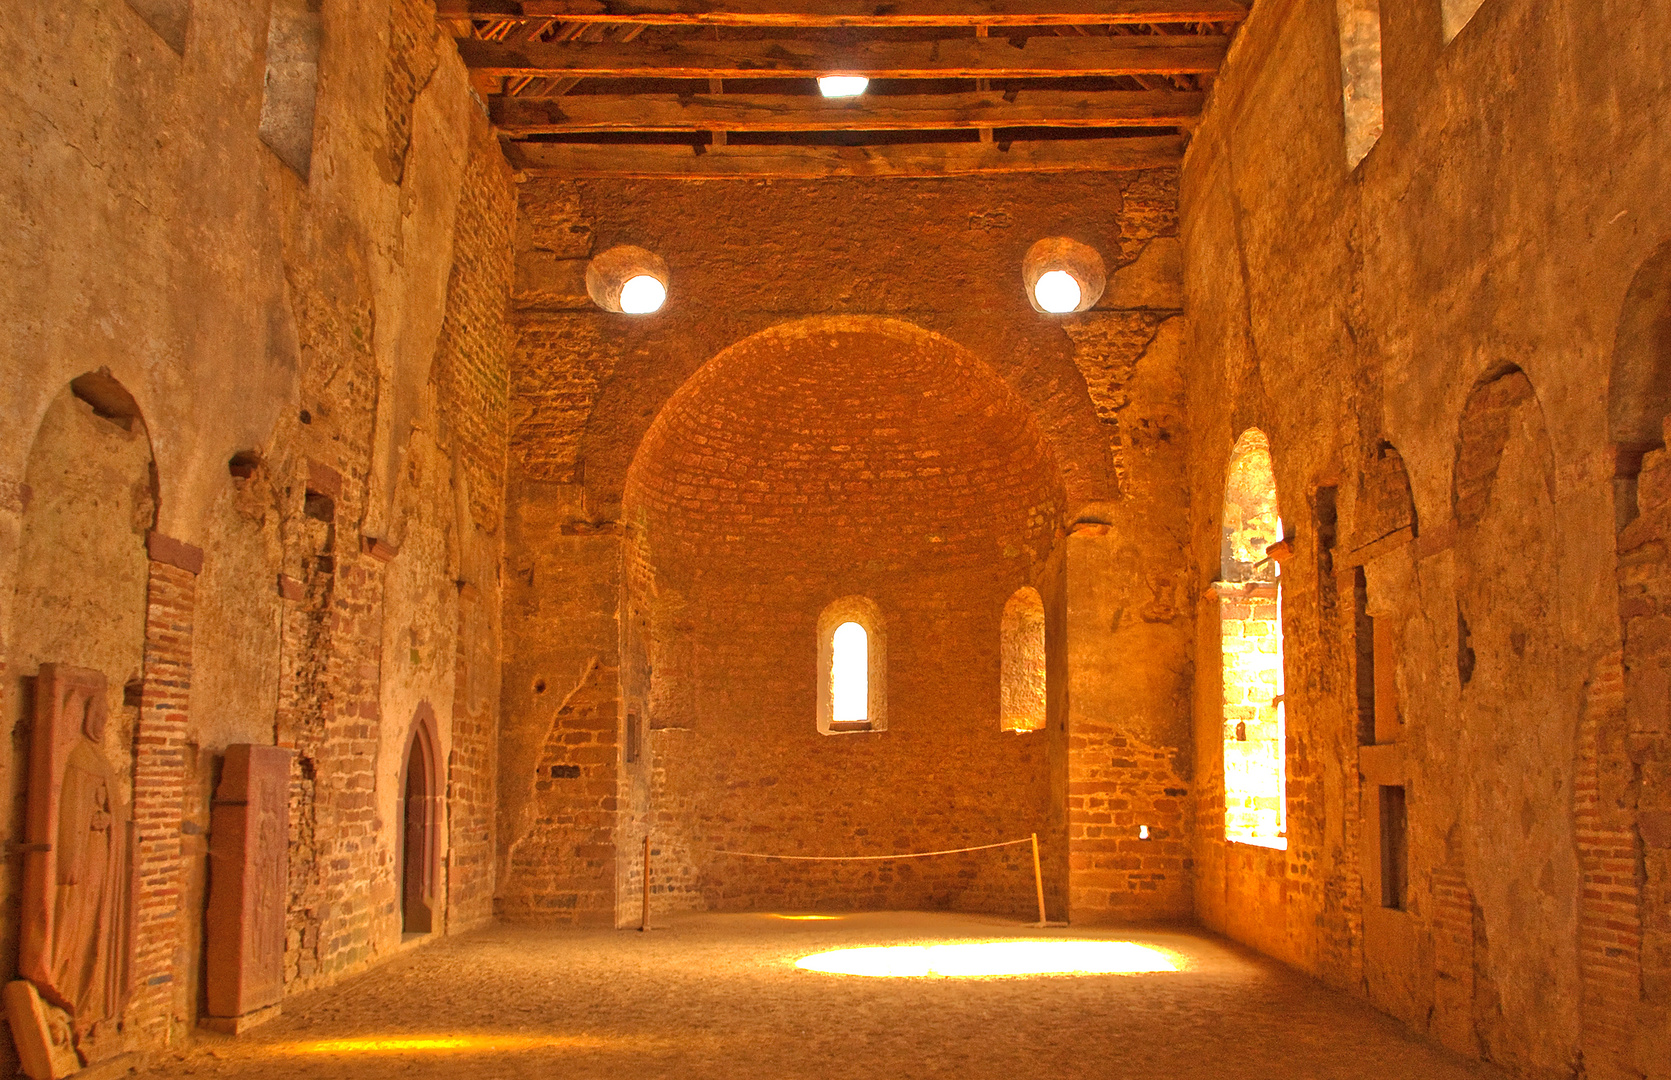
x=720 y=996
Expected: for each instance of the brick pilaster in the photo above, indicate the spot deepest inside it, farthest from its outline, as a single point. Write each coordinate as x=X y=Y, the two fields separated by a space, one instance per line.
x=1609 y=910
x=159 y=781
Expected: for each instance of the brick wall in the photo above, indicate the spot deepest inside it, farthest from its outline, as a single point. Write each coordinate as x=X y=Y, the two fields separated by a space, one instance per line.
x=1624 y=807
x=586 y=387
x=472 y=386
x=411 y=59
x=888 y=466
x=1117 y=787
x=159 y=797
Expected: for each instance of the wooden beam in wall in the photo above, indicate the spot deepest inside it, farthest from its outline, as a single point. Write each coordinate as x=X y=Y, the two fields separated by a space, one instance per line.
x=973 y=58
x=813 y=162
x=855 y=12
x=517 y=116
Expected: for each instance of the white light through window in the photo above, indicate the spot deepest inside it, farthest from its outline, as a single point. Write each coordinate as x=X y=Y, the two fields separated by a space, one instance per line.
x=842 y=85
x=642 y=295
x=1057 y=292
x=850 y=673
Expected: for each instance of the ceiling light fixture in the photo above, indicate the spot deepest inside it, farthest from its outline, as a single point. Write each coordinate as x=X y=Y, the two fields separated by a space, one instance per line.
x=839 y=86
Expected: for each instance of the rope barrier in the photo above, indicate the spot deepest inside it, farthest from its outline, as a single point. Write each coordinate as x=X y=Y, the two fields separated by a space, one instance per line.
x=868 y=858
x=1038 y=875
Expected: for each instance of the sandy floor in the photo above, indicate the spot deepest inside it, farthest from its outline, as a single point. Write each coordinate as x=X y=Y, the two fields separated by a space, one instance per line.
x=720 y=996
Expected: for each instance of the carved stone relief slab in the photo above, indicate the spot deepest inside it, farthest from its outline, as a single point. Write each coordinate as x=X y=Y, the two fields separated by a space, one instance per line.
x=76 y=931
x=248 y=881
x=45 y=1047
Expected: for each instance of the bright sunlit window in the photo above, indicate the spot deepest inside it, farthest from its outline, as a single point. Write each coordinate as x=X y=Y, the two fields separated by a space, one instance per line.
x=1250 y=622
x=852 y=667
x=849 y=674
x=642 y=295
x=842 y=85
x=1057 y=292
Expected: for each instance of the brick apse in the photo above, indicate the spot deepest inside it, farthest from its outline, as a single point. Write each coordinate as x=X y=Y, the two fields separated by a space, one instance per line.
x=1310 y=586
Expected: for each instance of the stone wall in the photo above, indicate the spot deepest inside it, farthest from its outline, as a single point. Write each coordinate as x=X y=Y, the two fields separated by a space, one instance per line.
x=316 y=371
x=699 y=612
x=1453 y=301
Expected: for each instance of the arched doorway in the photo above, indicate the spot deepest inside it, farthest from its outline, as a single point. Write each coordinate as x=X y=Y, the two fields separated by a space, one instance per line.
x=420 y=815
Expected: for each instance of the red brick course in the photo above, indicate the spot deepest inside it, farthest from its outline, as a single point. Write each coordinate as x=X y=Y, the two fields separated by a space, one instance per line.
x=160 y=740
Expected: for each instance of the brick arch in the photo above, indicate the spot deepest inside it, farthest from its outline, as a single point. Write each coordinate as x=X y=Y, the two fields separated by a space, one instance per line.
x=601 y=421
x=1627 y=721
x=820 y=460
x=1511 y=746
x=815 y=425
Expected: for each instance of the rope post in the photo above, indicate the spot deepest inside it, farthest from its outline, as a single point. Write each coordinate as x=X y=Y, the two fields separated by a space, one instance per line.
x=644 y=921
x=1038 y=878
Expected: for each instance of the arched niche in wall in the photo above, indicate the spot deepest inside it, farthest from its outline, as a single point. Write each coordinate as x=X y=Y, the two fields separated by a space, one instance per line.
x=1383 y=505
x=1622 y=814
x=1639 y=392
x=1509 y=780
x=1021 y=679
x=74 y=660
x=422 y=810
x=1383 y=524
x=1250 y=639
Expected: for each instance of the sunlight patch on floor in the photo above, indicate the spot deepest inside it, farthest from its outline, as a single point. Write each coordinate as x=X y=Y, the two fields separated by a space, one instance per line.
x=991 y=959
x=409 y=1044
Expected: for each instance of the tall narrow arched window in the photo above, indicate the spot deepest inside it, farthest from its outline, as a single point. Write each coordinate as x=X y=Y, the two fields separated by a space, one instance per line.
x=850 y=674
x=852 y=667
x=1250 y=637
x=1021 y=676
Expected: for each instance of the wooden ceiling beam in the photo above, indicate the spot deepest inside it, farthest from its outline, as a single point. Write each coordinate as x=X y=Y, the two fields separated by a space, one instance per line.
x=735 y=162
x=973 y=58
x=519 y=116
x=854 y=12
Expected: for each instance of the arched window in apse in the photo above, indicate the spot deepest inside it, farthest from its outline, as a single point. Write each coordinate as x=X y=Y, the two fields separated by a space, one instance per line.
x=850 y=674
x=852 y=667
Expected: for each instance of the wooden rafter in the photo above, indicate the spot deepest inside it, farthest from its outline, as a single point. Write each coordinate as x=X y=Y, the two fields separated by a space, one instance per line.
x=811 y=162
x=778 y=112
x=974 y=58
x=815 y=13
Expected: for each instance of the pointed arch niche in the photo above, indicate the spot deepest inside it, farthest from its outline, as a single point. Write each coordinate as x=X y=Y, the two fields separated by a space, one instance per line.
x=1250 y=640
x=421 y=795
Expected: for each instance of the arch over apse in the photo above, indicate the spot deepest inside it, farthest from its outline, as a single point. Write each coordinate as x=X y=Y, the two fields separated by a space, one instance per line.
x=835 y=496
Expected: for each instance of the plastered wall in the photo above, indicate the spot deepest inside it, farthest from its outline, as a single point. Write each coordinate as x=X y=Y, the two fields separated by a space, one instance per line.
x=295 y=538
x=1456 y=296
